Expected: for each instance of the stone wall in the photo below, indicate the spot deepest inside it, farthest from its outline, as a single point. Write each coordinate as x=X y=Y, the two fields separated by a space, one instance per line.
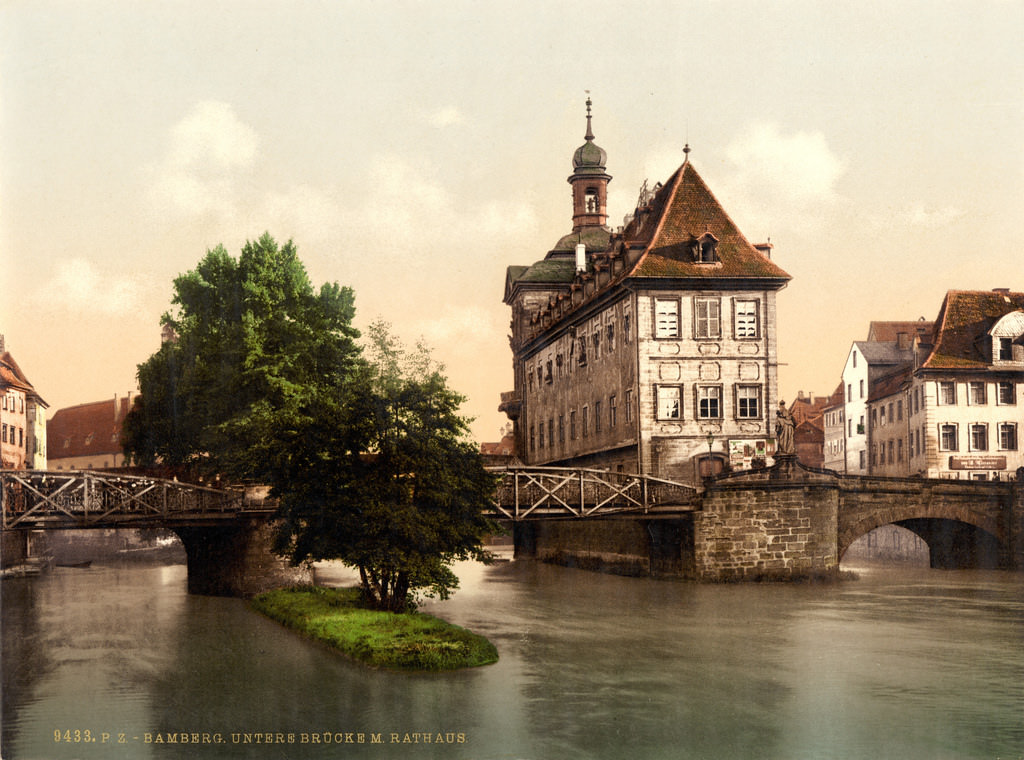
x=14 y=549
x=616 y=546
x=767 y=531
x=237 y=561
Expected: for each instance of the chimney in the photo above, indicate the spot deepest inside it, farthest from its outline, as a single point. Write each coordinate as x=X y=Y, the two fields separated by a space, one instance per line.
x=902 y=341
x=3 y=344
x=581 y=257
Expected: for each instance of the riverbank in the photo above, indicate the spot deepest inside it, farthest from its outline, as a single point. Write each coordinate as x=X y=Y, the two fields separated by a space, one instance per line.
x=409 y=641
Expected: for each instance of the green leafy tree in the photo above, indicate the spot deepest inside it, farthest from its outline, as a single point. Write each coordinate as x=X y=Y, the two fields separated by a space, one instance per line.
x=387 y=480
x=255 y=351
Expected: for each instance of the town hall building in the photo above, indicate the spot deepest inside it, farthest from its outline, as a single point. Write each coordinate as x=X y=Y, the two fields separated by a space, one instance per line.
x=650 y=349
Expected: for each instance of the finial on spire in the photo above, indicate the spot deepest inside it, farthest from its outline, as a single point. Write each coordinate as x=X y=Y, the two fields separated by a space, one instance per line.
x=686 y=152
x=590 y=133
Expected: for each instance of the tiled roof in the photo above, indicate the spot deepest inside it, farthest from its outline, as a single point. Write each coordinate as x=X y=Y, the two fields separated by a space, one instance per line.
x=837 y=398
x=11 y=375
x=890 y=383
x=87 y=429
x=884 y=353
x=888 y=332
x=505 y=447
x=682 y=211
x=964 y=320
x=808 y=408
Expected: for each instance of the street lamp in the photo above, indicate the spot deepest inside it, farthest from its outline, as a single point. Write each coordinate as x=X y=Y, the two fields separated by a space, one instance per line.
x=710 y=440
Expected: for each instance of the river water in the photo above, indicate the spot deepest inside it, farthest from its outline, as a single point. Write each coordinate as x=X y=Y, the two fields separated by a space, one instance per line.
x=118 y=661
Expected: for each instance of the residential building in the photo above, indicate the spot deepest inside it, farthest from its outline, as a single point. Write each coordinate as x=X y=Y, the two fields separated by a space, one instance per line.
x=833 y=420
x=889 y=345
x=650 y=349
x=890 y=440
x=809 y=434
x=88 y=436
x=500 y=453
x=957 y=410
x=22 y=417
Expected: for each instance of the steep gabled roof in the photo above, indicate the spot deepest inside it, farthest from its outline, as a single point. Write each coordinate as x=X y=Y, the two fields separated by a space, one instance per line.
x=680 y=212
x=876 y=353
x=11 y=376
x=888 y=332
x=962 y=326
x=87 y=429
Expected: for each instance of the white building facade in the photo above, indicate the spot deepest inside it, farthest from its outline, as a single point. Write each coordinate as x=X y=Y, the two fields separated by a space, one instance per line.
x=958 y=412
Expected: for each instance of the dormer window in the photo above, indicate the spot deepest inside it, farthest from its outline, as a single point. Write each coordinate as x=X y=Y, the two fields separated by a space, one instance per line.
x=1008 y=338
x=704 y=249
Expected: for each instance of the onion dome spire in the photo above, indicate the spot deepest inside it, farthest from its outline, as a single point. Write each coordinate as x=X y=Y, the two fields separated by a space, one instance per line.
x=589 y=181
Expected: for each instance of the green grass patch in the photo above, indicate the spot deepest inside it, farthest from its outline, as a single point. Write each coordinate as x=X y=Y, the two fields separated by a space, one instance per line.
x=407 y=641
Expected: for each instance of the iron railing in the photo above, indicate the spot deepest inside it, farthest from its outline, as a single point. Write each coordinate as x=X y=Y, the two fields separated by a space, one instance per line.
x=549 y=492
x=79 y=498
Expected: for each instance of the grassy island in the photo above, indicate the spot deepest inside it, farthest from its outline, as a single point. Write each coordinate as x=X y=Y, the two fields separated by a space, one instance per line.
x=397 y=641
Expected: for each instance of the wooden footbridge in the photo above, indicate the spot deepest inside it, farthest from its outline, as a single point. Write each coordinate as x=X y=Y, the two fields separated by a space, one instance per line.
x=38 y=499
x=561 y=492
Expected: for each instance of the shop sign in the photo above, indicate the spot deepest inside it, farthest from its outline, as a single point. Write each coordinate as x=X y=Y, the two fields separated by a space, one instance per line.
x=977 y=463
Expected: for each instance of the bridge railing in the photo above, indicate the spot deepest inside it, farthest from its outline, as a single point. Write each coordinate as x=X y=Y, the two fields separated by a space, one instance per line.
x=535 y=492
x=65 y=498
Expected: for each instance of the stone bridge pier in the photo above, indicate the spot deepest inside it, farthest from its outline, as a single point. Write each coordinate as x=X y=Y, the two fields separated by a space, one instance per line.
x=237 y=559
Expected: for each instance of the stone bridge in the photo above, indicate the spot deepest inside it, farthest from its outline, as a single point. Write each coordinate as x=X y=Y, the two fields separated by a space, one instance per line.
x=227 y=533
x=784 y=522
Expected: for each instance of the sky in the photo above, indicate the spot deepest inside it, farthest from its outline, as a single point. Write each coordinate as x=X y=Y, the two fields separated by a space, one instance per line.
x=414 y=150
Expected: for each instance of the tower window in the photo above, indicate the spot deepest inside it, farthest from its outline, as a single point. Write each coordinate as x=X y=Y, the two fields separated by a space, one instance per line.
x=590 y=201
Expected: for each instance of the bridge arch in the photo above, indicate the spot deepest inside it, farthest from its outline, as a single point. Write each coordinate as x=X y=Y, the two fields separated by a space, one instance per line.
x=958 y=534
x=227 y=533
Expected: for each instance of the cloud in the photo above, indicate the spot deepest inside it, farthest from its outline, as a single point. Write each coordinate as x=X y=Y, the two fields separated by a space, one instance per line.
x=209 y=150
x=776 y=181
x=79 y=287
x=445 y=117
x=799 y=167
x=918 y=215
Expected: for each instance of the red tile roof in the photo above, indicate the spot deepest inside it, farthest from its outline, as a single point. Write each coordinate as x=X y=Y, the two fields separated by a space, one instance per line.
x=962 y=326
x=87 y=429
x=888 y=332
x=682 y=211
x=809 y=408
x=11 y=375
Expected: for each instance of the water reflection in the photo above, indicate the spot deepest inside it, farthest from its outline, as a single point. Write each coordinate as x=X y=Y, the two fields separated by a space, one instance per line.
x=913 y=664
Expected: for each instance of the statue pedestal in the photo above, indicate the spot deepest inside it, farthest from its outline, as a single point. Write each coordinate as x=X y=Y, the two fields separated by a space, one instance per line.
x=785 y=466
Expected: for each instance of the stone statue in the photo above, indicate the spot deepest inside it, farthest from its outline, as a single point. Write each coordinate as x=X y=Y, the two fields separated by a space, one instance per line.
x=785 y=427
